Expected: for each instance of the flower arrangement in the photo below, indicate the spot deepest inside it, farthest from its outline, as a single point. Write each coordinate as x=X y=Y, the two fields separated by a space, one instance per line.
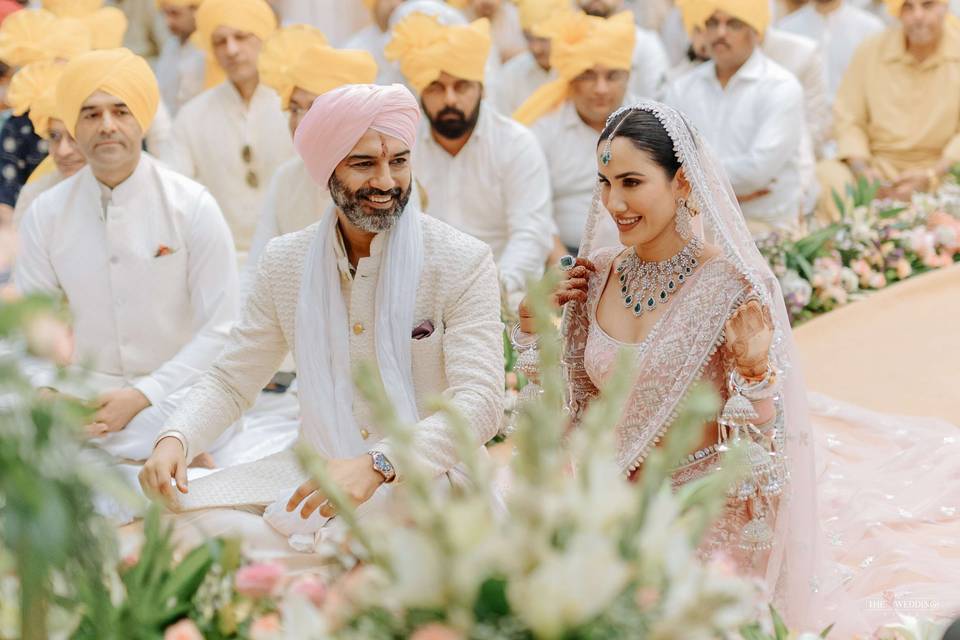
x=874 y=244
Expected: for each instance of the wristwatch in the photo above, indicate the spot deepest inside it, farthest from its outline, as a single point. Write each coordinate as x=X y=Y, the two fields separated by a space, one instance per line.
x=382 y=466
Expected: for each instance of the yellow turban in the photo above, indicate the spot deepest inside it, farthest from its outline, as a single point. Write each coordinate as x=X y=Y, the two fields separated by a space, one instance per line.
x=34 y=88
x=578 y=43
x=299 y=56
x=115 y=71
x=694 y=13
x=425 y=49
x=107 y=24
x=755 y=13
x=252 y=16
x=894 y=7
x=535 y=12
x=370 y=4
x=32 y=35
x=178 y=3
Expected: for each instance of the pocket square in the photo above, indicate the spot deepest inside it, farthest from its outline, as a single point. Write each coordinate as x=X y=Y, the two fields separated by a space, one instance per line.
x=423 y=330
x=163 y=250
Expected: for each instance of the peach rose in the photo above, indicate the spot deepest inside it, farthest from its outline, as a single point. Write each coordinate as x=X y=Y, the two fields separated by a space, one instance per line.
x=183 y=630
x=258 y=580
x=265 y=627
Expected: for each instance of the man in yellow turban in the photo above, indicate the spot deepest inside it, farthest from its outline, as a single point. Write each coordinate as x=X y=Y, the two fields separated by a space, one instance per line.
x=26 y=37
x=897 y=113
x=592 y=57
x=232 y=137
x=33 y=90
x=141 y=254
x=374 y=37
x=528 y=71
x=751 y=110
x=300 y=66
x=107 y=25
x=483 y=173
x=181 y=66
x=650 y=62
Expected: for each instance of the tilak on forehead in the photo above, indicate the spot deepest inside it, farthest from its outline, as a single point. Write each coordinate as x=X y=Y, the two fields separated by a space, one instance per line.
x=339 y=118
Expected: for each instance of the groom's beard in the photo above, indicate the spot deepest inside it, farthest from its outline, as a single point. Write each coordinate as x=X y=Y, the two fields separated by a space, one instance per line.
x=377 y=221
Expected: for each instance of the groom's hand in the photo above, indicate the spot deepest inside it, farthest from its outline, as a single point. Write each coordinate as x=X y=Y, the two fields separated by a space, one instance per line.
x=356 y=478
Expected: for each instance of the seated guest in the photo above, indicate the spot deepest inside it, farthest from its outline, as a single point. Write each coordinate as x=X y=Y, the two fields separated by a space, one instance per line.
x=482 y=173
x=839 y=27
x=592 y=57
x=233 y=137
x=299 y=65
x=897 y=114
x=180 y=67
x=751 y=110
x=529 y=70
x=376 y=282
x=648 y=72
x=141 y=254
x=33 y=90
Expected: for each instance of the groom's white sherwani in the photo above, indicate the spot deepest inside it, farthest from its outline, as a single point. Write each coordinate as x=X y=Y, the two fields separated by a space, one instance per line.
x=462 y=359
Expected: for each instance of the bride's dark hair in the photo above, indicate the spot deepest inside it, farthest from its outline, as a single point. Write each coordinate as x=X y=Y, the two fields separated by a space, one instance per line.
x=647 y=133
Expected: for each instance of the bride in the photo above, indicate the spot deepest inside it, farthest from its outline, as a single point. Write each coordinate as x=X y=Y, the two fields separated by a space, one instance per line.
x=689 y=294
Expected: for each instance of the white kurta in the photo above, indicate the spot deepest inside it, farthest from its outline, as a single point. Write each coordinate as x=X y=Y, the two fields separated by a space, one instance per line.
x=570 y=146
x=293 y=202
x=143 y=320
x=497 y=189
x=210 y=133
x=31 y=190
x=650 y=65
x=755 y=126
x=519 y=77
x=180 y=73
x=373 y=40
x=839 y=34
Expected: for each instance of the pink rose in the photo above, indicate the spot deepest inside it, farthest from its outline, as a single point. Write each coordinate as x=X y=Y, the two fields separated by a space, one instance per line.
x=877 y=280
x=436 y=631
x=265 y=627
x=903 y=269
x=183 y=630
x=258 y=580
x=312 y=589
x=860 y=267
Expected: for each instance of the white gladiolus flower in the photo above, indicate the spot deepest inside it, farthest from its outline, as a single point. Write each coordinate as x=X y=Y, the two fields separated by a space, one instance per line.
x=570 y=587
x=418 y=568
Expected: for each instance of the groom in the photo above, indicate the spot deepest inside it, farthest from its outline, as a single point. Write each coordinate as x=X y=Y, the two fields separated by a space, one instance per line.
x=374 y=281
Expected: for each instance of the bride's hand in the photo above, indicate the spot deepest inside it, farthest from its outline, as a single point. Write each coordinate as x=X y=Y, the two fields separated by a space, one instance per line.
x=749 y=334
x=573 y=286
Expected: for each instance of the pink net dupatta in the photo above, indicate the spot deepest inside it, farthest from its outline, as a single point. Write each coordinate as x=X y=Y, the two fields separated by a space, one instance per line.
x=791 y=574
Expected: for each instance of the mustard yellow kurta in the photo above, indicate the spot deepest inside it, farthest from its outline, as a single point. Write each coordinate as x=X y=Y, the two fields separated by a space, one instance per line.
x=896 y=112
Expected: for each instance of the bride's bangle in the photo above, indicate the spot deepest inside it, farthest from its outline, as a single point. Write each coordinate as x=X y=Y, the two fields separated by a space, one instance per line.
x=755 y=389
x=522 y=341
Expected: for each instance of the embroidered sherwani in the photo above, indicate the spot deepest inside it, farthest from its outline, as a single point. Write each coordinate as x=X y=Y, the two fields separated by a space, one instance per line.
x=462 y=359
x=233 y=149
x=149 y=271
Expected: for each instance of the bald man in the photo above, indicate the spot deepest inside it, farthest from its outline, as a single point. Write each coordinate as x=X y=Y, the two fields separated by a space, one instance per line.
x=141 y=254
x=375 y=281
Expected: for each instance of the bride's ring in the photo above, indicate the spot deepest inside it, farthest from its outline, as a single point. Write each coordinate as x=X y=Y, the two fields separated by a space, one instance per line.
x=567 y=262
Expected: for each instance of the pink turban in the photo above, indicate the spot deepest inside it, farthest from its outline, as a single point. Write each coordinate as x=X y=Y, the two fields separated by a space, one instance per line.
x=338 y=119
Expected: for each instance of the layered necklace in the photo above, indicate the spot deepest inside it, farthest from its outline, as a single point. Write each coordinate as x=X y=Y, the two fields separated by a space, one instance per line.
x=644 y=285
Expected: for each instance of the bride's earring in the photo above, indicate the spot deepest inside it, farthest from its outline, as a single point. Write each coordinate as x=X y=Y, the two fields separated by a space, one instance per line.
x=684 y=219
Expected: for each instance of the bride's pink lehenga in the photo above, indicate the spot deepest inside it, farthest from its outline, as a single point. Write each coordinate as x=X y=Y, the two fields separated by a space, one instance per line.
x=871 y=530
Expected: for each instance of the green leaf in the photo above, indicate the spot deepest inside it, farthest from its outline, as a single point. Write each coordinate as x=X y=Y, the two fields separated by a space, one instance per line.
x=492 y=603
x=779 y=628
x=826 y=632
